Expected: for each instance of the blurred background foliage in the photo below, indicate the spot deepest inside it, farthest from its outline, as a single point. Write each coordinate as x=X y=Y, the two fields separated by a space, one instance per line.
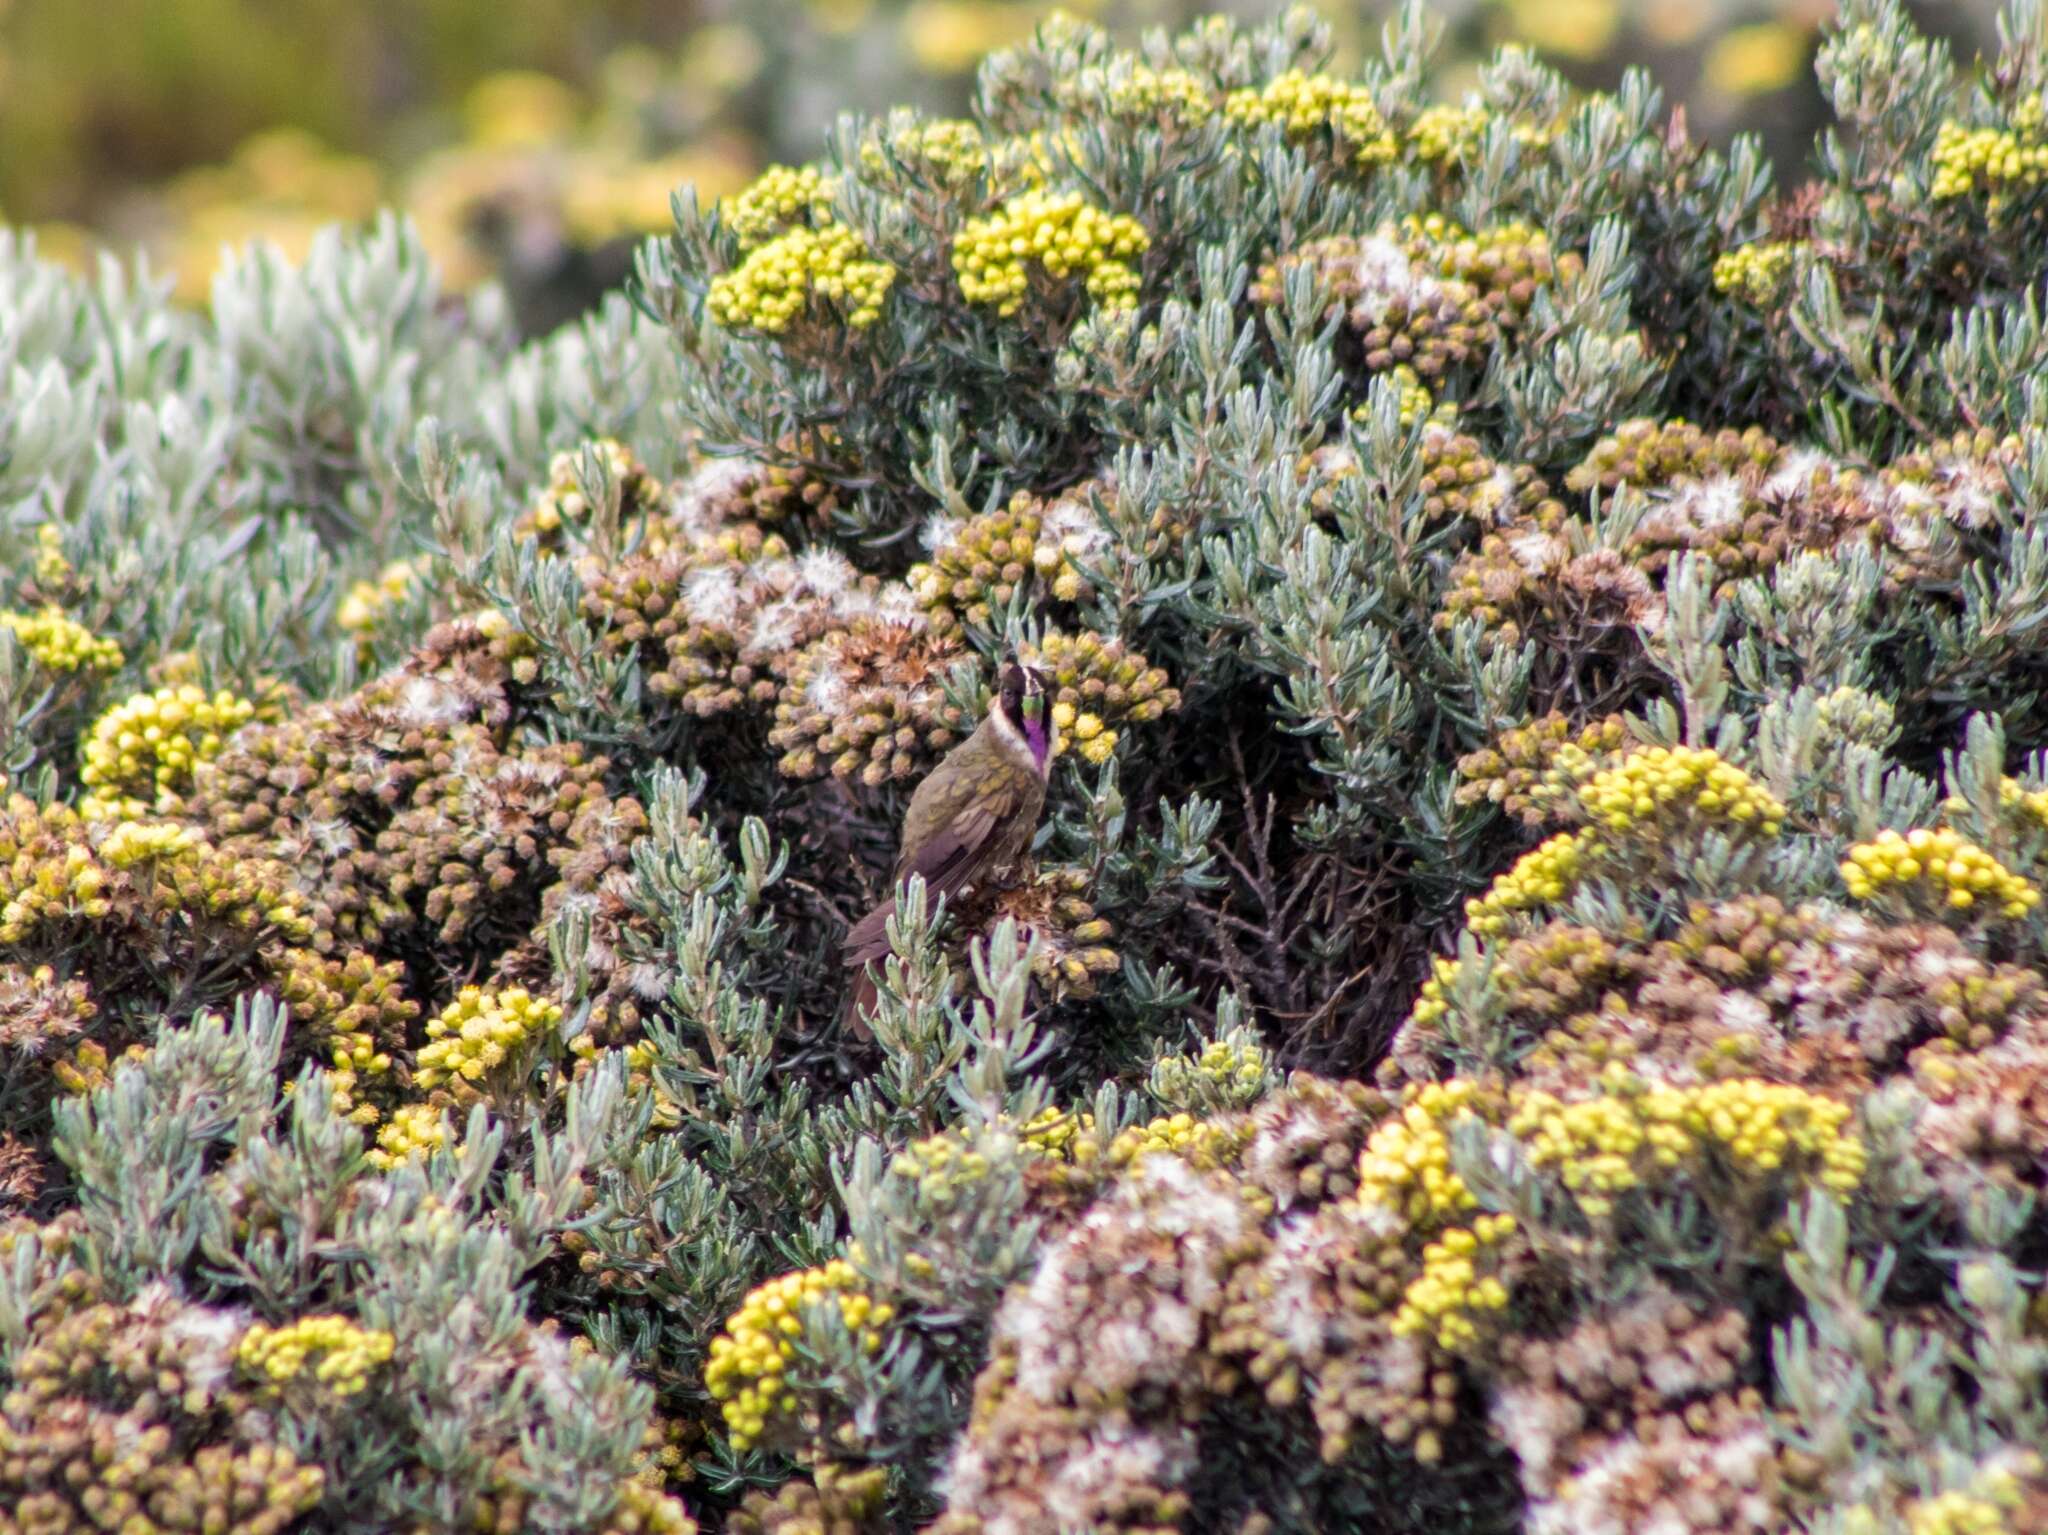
x=534 y=140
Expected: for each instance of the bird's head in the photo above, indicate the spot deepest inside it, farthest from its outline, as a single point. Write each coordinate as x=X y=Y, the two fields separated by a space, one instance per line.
x=1023 y=699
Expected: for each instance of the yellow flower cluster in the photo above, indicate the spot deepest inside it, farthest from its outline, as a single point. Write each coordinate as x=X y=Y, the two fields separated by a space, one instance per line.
x=414 y=1130
x=941 y=1167
x=347 y=1353
x=1755 y=273
x=948 y=149
x=1434 y=1000
x=34 y=889
x=1594 y=1144
x=132 y=842
x=1955 y=1513
x=479 y=1030
x=747 y=1373
x=777 y=281
x=1959 y=872
x=1143 y=92
x=1541 y=877
x=368 y=601
x=1448 y=135
x=61 y=644
x=1096 y=682
x=1417 y=403
x=141 y=753
x=1406 y=1163
x=52 y=568
x=1060 y=1134
x=89 y=1068
x=2013 y=797
x=1234 y=1069
x=352 y=1055
x=1648 y=783
x=980 y=566
x=1061 y=234
x=1304 y=104
x=1445 y=1298
x=1999 y=161
x=779 y=197
x=1606 y=1145
x=561 y=502
x=1196 y=1141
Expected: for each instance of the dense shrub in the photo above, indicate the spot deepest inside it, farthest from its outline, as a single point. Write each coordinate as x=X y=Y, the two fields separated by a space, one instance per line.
x=1529 y=1005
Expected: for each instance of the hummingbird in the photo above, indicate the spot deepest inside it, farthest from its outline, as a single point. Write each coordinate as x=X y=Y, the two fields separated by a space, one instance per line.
x=971 y=819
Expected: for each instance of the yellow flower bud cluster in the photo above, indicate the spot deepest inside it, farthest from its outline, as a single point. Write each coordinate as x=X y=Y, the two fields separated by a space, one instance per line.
x=562 y=504
x=1142 y=92
x=941 y=1167
x=948 y=150
x=1981 y=1509
x=131 y=843
x=1406 y=1163
x=1197 y=1142
x=985 y=560
x=344 y=1353
x=36 y=889
x=1448 y=135
x=1756 y=273
x=1955 y=1513
x=1608 y=1144
x=1060 y=1134
x=52 y=568
x=1535 y=771
x=1097 y=683
x=368 y=601
x=779 y=281
x=1434 y=1000
x=1305 y=104
x=1417 y=403
x=1445 y=1301
x=748 y=1371
x=142 y=753
x=1595 y=1144
x=1060 y=234
x=1959 y=873
x=481 y=1030
x=1659 y=781
x=414 y=1130
x=2014 y=798
x=781 y=196
x=1235 y=1070
x=61 y=644
x=1541 y=877
x=89 y=1068
x=1995 y=160
x=55 y=870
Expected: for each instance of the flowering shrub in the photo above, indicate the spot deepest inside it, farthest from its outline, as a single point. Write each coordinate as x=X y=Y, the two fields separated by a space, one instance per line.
x=1529 y=1004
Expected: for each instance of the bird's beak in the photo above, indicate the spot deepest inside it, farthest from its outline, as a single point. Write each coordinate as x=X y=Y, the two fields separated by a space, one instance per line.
x=1034 y=705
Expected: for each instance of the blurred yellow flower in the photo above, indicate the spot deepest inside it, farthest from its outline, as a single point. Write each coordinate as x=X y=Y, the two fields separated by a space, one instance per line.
x=838 y=18
x=1574 y=29
x=949 y=37
x=520 y=107
x=1756 y=60
x=720 y=58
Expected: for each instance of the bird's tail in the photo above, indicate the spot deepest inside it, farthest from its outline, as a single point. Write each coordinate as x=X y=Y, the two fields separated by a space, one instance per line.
x=860 y=1003
x=867 y=942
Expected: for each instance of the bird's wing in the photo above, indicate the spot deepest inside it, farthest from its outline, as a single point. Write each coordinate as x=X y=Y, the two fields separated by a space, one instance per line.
x=947 y=860
x=952 y=855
